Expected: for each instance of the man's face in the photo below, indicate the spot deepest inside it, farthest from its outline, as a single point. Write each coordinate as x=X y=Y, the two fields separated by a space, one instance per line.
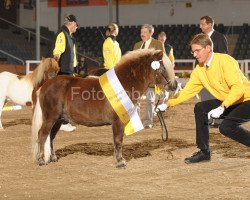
x=116 y=32
x=73 y=27
x=145 y=34
x=205 y=28
x=201 y=53
x=162 y=38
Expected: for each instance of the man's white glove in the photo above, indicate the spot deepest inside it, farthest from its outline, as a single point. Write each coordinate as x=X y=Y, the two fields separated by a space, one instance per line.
x=216 y=113
x=161 y=107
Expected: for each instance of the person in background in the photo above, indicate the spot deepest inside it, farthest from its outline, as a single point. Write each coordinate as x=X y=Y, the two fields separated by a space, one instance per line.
x=220 y=45
x=82 y=69
x=162 y=36
x=64 y=51
x=221 y=76
x=111 y=49
x=147 y=42
x=168 y=48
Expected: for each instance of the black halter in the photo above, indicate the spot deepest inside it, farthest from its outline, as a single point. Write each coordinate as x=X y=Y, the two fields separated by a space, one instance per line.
x=160 y=71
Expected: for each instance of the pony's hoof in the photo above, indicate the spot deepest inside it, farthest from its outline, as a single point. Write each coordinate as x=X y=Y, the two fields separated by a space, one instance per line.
x=53 y=158
x=121 y=164
x=41 y=162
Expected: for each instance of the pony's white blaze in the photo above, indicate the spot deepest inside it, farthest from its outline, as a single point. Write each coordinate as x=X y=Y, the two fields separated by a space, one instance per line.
x=36 y=125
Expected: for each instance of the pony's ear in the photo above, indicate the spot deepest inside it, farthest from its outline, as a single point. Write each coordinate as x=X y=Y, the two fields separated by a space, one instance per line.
x=158 y=54
x=43 y=58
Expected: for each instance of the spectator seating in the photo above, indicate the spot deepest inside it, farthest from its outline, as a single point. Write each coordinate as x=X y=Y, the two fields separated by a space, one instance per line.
x=90 y=40
x=242 y=48
x=19 y=44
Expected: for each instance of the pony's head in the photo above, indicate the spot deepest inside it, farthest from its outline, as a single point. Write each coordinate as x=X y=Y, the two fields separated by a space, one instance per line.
x=143 y=68
x=51 y=67
x=164 y=71
x=47 y=69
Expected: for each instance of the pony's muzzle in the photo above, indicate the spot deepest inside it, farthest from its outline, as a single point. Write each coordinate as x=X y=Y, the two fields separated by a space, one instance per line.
x=172 y=85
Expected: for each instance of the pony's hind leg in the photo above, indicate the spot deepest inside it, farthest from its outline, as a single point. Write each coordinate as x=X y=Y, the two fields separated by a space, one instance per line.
x=44 y=144
x=118 y=131
x=53 y=133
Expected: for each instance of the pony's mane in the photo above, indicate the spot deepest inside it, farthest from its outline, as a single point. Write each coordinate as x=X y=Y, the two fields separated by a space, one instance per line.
x=170 y=66
x=135 y=55
x=38 y=74
x=131 y=55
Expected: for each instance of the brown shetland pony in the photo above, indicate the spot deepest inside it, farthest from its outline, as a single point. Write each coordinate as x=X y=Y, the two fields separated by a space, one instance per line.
x=82 y=101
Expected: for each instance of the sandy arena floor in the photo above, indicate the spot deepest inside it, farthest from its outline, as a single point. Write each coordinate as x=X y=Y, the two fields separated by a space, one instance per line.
x=155 y=170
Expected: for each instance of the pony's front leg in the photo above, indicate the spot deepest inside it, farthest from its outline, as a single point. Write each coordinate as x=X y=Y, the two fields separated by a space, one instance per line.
x=1 y=107
x=118 y=131
x=53 y=132
x=53 y=157
x=1 y=126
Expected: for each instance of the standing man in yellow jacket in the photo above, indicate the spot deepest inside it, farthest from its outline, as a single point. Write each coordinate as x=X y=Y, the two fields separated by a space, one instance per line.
x=111 y=48
x=64 y=51
x=221 y=76
x=64 y=46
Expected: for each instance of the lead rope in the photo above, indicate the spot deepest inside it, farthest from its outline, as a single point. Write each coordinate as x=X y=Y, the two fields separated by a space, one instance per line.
x=164 y=130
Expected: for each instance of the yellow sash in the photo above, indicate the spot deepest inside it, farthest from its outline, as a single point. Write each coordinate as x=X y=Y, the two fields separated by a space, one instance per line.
x=120 y=102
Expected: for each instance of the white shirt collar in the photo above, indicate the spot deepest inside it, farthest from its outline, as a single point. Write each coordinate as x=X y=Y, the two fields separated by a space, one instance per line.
x=147 y=43
x=210 y=33
x=210 y=60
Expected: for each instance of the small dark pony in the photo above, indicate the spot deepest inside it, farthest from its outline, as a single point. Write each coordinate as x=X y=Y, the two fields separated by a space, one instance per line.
x=82 y=101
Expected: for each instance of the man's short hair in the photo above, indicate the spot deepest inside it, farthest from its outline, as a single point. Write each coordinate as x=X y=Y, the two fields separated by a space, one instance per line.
x=149 y=27
x=70 y=18
x=162 y=33
x=208 y=19
x=202 y=39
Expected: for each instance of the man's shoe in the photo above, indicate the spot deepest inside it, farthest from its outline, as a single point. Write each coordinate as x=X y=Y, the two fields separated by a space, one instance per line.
x=67 y=127
x=199 y=156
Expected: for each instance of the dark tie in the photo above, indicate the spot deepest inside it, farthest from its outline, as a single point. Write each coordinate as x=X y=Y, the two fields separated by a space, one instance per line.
x=143 y=45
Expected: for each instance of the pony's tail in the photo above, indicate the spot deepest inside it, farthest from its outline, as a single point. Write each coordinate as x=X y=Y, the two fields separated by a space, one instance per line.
x=37 y=122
